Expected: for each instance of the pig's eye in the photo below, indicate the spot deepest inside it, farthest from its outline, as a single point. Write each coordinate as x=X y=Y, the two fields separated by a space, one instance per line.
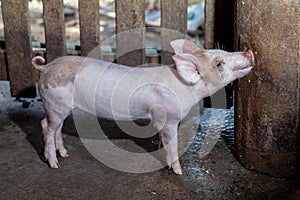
x=219 y=62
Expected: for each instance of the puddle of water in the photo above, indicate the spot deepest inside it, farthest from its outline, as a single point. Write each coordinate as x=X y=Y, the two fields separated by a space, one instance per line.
x=215 y=124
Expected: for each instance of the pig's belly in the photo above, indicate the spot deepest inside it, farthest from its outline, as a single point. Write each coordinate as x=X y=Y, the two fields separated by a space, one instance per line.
x=116 y=103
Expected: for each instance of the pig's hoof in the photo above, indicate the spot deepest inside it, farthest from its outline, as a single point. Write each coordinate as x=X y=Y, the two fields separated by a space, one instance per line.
x=63 y=153
x=177 y=171
x=176 y=168
x=53 y=163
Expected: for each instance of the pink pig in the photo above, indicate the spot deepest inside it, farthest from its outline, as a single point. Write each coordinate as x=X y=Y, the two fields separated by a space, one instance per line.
x=164 y=94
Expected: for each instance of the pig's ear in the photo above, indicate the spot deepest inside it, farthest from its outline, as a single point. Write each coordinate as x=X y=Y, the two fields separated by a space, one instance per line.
x=186 y=65
x=183 y=46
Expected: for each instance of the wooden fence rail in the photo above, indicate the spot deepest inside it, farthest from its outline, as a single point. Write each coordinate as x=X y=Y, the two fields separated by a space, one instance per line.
x=15 y=57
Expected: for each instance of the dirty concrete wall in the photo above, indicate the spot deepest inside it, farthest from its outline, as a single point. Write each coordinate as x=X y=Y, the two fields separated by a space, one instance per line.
x=267 y=101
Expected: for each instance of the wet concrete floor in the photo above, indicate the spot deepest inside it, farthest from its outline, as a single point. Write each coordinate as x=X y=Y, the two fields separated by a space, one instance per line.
x=25 y=175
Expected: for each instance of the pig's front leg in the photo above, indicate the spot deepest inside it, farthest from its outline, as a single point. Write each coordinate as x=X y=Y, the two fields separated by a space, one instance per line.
x=169 y=140
x=166 y=122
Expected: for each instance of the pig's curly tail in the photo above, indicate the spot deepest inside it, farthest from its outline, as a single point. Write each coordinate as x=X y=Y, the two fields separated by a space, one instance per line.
x=36 y=66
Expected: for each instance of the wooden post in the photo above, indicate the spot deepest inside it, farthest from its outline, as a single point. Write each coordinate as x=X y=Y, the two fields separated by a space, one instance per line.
x=54 y=29
x=174 y=18
x=89 y=25
x=3 y=66
x=130 y=32
x=18 y=47
x=267 y=100
x=209 y=35
x=209 y=27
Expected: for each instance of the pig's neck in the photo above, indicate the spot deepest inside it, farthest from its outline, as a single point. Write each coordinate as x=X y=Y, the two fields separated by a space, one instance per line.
x=201 y=89
x=204 y=89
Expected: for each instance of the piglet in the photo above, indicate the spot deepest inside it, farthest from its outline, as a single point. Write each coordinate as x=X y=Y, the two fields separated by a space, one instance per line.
x=164 y=94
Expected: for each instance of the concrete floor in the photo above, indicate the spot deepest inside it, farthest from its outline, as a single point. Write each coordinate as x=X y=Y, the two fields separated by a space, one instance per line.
x=25 y=175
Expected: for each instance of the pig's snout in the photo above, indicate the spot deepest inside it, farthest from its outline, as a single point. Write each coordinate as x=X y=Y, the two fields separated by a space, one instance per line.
x=250 y=56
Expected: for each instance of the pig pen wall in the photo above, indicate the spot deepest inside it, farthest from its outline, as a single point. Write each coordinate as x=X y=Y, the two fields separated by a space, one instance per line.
x=267 y=101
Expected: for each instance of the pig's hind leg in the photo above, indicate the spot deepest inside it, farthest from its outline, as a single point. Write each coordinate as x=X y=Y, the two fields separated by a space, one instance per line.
x=51 y=125
x=59 y=143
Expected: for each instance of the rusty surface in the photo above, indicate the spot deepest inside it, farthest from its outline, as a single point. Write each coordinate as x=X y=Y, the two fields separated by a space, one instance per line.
x=18 y=47
x=89 y=25
x=267 y=103
x=130 y=29
x=54 y=29
x=174 y=17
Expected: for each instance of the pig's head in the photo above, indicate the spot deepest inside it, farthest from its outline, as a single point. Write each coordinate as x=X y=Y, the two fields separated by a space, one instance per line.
x=215 y=67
